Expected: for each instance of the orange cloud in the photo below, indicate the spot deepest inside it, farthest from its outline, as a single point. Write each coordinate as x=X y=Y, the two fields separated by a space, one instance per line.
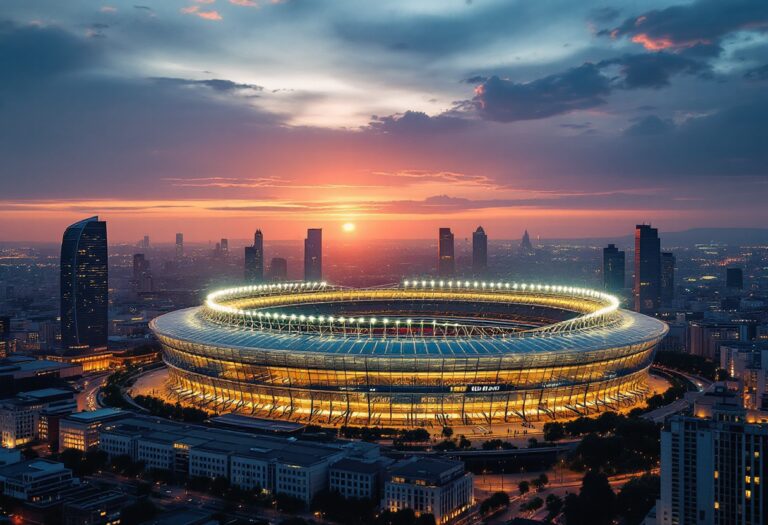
x=661 y=43
x=195 y=10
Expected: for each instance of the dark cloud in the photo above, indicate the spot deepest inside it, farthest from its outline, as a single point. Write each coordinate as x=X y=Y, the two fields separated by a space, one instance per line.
x=216 y=84
x=583 y=87
x=30 y=54
x=476 y=79
x=758 y=73
x=603 y=15
x=699 y=26
x=651 y=70
x=650 y=125
x=417 y=122
x=585 y=125
x=503 y=100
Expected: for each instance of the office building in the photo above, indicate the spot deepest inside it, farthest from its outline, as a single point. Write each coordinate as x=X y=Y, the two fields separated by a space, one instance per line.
x=734 y=279
x=356 y=478
x=179 y=245
x=747 y=365
x=313 y=255
x=224 y=247
x=278 y=269
x=446 y=263
x=254 y=259
x=142 y=275
x=144 y=244
x=705 y=338
x=613 y=269
x=440 y=487
x=525 y=244
x=479 y=252
x=35 y=480
x=647 y=287
x=276 y=464
x=84 y=285
x=713 y=466
x=667 y=277
x=5 y=336
x=81 y=429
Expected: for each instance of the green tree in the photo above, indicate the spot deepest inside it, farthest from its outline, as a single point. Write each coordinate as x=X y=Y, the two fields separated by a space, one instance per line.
x=637 y=497
x=523 y=487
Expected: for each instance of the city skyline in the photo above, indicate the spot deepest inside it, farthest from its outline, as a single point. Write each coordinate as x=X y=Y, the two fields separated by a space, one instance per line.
x=578 y=119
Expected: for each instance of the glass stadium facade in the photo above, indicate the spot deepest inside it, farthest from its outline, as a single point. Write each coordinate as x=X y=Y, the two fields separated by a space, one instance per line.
x=425 y=353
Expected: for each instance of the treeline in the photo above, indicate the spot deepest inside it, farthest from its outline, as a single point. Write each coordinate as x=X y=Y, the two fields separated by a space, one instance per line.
x=158 y=407
x=692 y=364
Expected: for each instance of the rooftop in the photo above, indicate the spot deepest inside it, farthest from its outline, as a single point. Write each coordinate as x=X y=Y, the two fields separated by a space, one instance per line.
x=96 y=415
x=31 y=466
x=425 y=468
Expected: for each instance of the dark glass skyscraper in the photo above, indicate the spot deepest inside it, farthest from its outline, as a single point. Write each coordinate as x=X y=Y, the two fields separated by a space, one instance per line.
x=614 y=268
x=667 y=277
x=647 y=289
x=525 y=244
x=254 y=259
x=313 y=255
x=278 y=269
x=179 y=245
x=479 y=251
x=734 y=278
x=446 y=264
x=84 y=287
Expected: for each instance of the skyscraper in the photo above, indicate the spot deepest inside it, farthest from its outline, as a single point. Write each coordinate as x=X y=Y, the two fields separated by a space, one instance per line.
x=667 y=277
x=446 y=265
x=525 y=244
x=614 y=268
x=142 y=276
x=179 y=245
x=254 y=259
x=5 y=336
x=734 y=278
x=84 y=286
x=278 y=269
x=647 y=289
x=145 y=242
x=479 y=251
x=224 y=247
x=313 y=255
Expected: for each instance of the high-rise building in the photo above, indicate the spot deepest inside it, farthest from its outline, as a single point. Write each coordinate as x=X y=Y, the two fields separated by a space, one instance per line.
x=734 y=278
x=278 y=269
x=479 y=251
x=224 y=247
x=179 y=245
x=145 y=242
x=446 y=263
x=525 y=244
x=667 y=277
x=142 y=275
x=614 y=268
x=713 y=466
x=84 y=286
x=254 y=259
x=313 y=255
x=647 y=289
x=5 y=336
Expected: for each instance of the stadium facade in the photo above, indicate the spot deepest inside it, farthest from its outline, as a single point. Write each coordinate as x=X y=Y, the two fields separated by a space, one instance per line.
x=422 y=353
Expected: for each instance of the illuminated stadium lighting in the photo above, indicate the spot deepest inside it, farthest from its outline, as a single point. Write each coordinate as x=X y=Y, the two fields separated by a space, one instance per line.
x=244 y=349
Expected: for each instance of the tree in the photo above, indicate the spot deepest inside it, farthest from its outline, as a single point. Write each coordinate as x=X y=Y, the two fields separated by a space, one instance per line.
x=447 y=432
x=523 y=487
x=597 y=499
x=540 y=482
x=637 y=497
x=464 y=442
x=138 y=512
x=554 y=431
x=554 y=505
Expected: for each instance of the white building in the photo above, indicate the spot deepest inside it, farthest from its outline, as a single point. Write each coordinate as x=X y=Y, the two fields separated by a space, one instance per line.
x=439 y=487
x=714 y=466
x=81 y=430
x=35 y=480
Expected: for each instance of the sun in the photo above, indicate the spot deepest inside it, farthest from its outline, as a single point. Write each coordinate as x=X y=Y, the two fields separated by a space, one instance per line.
x=348 y=227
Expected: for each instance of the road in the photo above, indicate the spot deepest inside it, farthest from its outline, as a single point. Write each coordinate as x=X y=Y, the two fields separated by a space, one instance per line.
x=89 y=386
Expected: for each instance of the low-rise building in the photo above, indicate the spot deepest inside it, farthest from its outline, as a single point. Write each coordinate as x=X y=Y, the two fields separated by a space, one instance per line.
x=355 y=478
x=81 y=430
x=35 y=480
x=21 y=416
x=440 y=487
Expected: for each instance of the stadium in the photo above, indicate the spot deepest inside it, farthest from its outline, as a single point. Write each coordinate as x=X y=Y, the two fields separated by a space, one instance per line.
x=423 y=353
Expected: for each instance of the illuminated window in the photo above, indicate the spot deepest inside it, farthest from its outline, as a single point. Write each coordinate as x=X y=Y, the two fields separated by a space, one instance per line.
x=747 y=494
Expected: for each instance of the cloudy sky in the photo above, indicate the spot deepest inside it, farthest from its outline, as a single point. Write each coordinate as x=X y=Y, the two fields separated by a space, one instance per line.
x=214 y=117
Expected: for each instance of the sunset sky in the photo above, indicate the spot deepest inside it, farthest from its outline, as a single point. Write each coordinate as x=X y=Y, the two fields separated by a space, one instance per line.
x=215 y=117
